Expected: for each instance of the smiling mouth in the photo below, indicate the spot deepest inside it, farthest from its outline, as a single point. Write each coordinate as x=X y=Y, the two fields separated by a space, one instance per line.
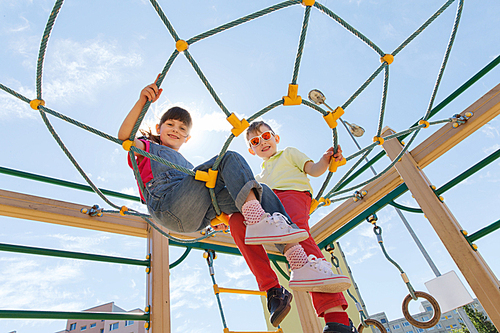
x=266 y=148
x=173 y=136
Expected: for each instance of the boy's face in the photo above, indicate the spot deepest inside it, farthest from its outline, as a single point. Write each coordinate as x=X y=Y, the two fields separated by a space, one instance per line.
x=265 y=149
x=173 y=133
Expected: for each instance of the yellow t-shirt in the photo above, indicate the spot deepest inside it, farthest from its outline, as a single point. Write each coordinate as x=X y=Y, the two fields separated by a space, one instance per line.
x=285 y=171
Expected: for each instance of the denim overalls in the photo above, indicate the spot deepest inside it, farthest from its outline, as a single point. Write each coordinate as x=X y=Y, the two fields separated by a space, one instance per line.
x=183 y=204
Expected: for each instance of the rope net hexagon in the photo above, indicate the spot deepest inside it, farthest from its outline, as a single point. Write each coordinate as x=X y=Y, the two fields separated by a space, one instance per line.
x=182 y=46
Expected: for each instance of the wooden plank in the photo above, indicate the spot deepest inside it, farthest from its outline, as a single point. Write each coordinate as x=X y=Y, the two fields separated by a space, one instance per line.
x=159 y=282
x=474 y=268
x=29 y=207
x=308 y=320
x=485 y=109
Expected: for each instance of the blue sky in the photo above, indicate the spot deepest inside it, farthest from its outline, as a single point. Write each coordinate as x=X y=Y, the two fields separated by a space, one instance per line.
x=101 y=54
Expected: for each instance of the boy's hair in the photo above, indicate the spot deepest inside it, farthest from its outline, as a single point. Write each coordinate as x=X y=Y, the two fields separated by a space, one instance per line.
x=176 y=113
x=255 y=127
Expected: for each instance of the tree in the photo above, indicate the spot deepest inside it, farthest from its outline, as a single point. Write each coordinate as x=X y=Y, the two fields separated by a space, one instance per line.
x=480 y=321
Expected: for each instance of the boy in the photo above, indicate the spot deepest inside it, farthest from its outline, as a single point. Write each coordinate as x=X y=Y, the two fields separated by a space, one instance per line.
x=285 y=172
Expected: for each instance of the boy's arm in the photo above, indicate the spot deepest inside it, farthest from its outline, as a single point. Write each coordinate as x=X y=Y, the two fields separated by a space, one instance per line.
x=319 y=168
x=149 y=93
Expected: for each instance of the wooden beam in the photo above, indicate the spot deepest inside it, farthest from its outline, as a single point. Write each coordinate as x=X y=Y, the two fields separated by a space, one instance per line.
x=474 y=268
x=484 y=109
x=159 y=282
x=40 y=209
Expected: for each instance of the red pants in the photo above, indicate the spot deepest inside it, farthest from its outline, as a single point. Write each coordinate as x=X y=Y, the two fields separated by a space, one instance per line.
x=297 y=205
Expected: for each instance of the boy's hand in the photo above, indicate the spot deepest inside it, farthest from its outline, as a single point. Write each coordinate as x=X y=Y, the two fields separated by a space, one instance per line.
x=220 y=227
x=329 y=153
x=151 y=92
x=338 y=155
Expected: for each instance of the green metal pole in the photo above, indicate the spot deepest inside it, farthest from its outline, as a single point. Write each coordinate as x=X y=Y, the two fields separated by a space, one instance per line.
x=72 y=255
x=25 y=314
x=483 y=232
x=64 y=183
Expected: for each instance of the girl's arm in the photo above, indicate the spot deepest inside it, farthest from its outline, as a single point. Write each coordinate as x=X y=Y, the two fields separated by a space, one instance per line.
x=319 y=168
x=149 y=93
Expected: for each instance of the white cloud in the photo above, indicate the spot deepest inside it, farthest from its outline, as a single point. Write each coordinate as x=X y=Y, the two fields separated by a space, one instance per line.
x=80 y=244
x=491 y=149
x=490 y=131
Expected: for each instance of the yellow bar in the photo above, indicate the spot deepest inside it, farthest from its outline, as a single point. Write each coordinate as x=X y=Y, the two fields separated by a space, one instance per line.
x=242 y=291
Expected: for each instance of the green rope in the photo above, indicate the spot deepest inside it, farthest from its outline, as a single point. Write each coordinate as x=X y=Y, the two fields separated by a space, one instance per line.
x=303 y=33
x=445 y=58
x=384 y=99
x=363 y=86
x=422 y=27
x=163 y=17
x=242 y=20
x=348 y=27
x=43 y=46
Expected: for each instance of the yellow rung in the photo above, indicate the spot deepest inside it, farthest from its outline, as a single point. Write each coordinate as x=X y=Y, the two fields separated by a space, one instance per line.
x=241 y=291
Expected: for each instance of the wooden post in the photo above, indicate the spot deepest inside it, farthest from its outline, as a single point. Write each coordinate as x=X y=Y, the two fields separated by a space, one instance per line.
x=478 y=274
x=309 y=321
x=158 y=282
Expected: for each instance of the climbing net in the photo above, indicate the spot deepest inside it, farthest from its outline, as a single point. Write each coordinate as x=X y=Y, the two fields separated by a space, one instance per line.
x=337 y=191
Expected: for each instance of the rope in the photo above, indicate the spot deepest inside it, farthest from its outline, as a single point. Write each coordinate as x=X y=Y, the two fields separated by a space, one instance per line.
x=362 y=152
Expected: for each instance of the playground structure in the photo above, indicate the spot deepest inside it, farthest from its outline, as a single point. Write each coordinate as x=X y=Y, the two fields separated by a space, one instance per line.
x=371 y=196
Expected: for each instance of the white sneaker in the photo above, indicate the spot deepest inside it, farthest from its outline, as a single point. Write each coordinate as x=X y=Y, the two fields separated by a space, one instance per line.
x=317 y=276
x=273 y=229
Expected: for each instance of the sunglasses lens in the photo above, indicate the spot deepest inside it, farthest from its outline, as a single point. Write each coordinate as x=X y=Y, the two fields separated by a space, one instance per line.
x=255 y=141
x=266 y=135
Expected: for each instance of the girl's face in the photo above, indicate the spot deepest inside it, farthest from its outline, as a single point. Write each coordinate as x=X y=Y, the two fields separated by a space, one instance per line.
x=173 y=133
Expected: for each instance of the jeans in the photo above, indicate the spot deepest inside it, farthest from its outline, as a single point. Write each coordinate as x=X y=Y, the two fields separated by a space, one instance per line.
x=186 y=205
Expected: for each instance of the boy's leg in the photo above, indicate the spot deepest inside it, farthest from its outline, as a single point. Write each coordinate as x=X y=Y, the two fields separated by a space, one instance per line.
x=278 y=298
x=255 y=255
x=299 y=205
x=236 y=179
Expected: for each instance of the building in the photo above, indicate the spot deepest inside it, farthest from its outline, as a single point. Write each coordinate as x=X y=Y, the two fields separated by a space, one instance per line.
x=104 y=326
x=449 y=320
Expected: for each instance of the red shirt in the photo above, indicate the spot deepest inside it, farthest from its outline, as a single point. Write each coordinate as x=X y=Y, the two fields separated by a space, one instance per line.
x=144 y=167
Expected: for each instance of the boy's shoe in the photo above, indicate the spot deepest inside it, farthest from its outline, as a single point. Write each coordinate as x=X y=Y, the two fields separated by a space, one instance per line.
x=278 y=304
x=273 y=229
x=317 y=276
x=340 y=328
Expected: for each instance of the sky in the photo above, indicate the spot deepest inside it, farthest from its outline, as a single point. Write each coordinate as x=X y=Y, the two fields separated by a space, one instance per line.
x=101 y=54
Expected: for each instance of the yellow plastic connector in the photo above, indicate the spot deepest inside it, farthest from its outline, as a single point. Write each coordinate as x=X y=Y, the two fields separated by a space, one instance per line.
x=292 y=98
x=181 y=45
x=424 y=122
x=441 y=198
x=123 y=210
x=146 y=325
x=147 y=258
x=455 y=125
x=388 y=58
x=208 y=177
x=335 y=164
x=308 y=3
x=127 y=144
x=238 y=125
x=378 y=139
x=331 y=118
x=464 y=232
x=148 y=270
x=146 y=309
x=222 y=218
x=36 y=103
x=226 y=330
x=474 y=247
x=216 y=289
x=315 y=203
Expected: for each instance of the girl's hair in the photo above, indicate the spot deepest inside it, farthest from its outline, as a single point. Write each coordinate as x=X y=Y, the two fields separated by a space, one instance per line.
x=255 y=127
x=176 y=113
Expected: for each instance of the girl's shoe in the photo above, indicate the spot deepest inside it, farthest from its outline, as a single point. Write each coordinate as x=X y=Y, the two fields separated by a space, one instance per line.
x=317 y=276
x=273 y=229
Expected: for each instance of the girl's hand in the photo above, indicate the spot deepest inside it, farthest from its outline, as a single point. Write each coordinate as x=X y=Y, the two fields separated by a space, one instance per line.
x=220 y=227
x=329 y=153
x=151 y=92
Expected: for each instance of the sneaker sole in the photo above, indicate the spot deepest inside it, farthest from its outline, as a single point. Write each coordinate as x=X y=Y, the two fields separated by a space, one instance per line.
x=276 y=321
x=323 y=286
x=290 y=238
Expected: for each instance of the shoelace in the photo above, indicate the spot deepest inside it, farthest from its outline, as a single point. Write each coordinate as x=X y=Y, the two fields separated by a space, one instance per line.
x=319 y=264
x=278 y=219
